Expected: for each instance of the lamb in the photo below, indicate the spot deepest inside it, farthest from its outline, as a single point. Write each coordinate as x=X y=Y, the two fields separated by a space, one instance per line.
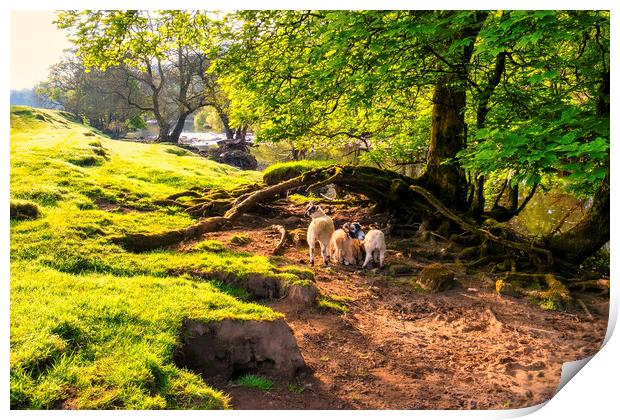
x=320 y=230
x=341 y=244
x=374 y=244
x=357 y=246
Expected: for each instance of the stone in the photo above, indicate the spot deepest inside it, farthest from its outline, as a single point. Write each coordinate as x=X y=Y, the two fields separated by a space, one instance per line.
x=302 y=295
x=504 y=288
x=435 y=278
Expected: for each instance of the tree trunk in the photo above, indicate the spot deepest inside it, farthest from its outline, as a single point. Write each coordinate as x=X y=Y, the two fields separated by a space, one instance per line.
x=178 y=128
x=447 y=181
x=589 y=235
x=592 y=231
x=230 y=134
x=164 y=131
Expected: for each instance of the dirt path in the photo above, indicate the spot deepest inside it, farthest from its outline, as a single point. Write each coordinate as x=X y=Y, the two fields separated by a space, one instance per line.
x=398 y=348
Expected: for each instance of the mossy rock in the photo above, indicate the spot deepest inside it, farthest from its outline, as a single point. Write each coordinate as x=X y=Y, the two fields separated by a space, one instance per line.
x=21 y=210
x=436 y=278
x=279 y=172
x=240 y=239
x=505 y=288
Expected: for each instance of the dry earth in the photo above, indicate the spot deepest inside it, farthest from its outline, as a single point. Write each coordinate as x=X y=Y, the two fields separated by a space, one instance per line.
x=400 y=348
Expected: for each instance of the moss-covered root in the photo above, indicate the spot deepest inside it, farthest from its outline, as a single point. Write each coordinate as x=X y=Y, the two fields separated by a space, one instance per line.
x=140 y=242
x=556 y=295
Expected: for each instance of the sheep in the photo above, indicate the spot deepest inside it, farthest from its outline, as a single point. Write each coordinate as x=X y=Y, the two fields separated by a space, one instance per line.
x=357 y=246
x=320 y=230
x=341 y=246
x=374 y=243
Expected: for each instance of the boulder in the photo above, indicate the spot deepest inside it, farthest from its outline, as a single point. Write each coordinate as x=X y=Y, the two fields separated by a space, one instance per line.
x=435 y=278
x=302 y=295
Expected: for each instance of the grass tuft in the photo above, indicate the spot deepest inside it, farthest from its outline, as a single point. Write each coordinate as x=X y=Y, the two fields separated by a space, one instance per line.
x=240 y=239
x=255 y=381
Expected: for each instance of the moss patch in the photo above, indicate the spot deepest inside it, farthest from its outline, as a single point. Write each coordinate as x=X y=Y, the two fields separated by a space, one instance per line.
x=279 y=172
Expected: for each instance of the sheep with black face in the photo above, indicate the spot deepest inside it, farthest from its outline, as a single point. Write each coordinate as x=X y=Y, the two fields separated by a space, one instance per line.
x=320 y=230
x=342 y=247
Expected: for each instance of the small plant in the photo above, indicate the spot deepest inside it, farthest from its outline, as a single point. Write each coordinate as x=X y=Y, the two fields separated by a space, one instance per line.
x=210 y=245
x=255 y=381
x=334 y=303
x=296 y=389
x=177 y=151
x=548 y=304
x=240 y=239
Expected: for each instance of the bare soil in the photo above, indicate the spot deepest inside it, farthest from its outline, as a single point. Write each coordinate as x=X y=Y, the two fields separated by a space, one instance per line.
x=397 y=347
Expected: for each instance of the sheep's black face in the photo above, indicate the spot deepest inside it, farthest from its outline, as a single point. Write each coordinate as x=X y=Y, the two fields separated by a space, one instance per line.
x=354 y=230
x=310 y=210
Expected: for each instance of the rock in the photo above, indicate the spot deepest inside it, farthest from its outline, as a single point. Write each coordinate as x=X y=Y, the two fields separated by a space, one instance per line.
x=435 y=278
x=303 y=295
x=487 y=281
x=504 y=288
x=238 y=158
x=230 y=348
x=263 y=287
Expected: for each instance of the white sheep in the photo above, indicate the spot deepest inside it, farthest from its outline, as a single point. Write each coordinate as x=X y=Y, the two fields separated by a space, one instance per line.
x=374 y=244
x=320 y=230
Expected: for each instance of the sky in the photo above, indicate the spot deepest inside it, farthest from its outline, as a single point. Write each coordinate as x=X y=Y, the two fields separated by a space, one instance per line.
x=36 y=44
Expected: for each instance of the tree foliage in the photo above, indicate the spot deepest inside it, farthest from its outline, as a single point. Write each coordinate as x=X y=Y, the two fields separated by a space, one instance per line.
x=367 y=76
x=90 y=96
x=163 y=54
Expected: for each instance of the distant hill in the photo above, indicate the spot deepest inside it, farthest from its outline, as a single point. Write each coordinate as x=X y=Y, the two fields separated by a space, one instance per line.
x=28 y=97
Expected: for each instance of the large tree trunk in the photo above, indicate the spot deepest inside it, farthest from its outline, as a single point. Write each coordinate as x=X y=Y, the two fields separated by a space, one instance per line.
x=178 y=128
x=447 y=181
x=230 y=134
x=589 y=235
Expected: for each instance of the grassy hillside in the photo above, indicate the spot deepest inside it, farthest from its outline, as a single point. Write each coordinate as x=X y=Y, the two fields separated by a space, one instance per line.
x=93 y=326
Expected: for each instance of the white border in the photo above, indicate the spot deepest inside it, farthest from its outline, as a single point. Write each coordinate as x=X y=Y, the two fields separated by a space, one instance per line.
x=591 y=395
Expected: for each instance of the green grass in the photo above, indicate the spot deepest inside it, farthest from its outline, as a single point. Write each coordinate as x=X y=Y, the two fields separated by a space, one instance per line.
x=255 y=381
x=240 y=239
x=334 y=303
x=94 y=326
x=279 y=172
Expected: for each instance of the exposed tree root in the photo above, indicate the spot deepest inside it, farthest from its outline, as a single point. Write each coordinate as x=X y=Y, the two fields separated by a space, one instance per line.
x=388 y=189
x=283 y=239
x=585 y=308
x=470 y=226
x=140 y=242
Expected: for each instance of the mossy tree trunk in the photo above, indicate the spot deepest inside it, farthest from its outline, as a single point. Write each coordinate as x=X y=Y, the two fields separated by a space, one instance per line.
x=589 y=235
x=445 y=180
